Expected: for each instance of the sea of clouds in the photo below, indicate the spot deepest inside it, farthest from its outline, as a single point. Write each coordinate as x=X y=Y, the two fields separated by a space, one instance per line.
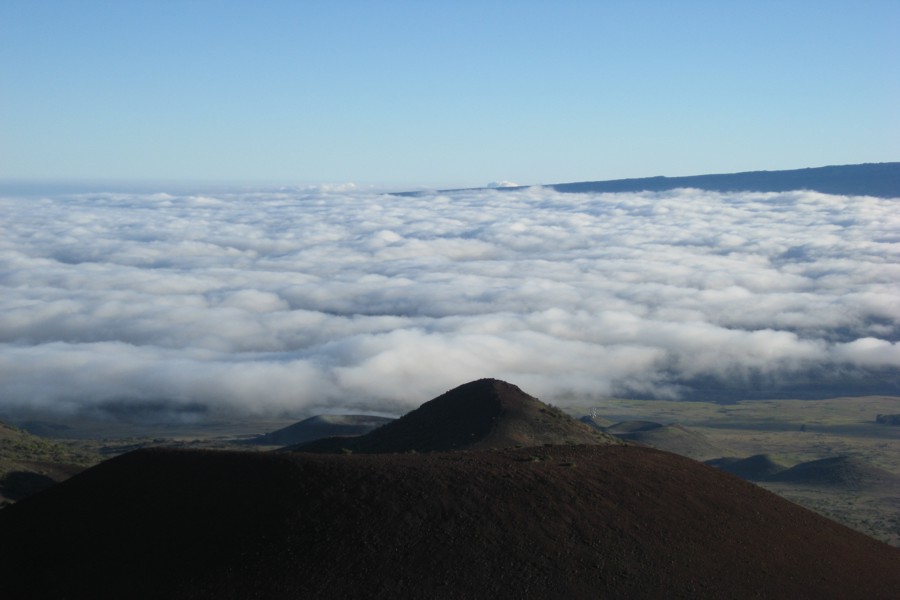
x=336 y=299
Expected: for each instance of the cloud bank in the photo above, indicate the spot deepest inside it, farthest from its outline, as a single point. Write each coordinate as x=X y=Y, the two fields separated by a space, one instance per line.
x=263 y=303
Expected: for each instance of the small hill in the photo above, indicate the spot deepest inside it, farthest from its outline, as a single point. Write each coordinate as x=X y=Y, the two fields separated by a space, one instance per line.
x=888 y=420
x=628 y=427
x=671 y=438
x=846 y=472
x=29 y=463
x=759 y=467
x=487 y=413
x=571 y=522
x=598 y=423
x=321 y=426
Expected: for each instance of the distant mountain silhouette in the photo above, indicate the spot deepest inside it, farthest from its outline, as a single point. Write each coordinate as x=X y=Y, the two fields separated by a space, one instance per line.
x=869 y=179
x=487 y=413
x=320 y=426
x=552 y=522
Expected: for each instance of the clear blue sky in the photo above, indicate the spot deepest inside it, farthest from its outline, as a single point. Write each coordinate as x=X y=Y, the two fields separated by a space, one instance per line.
x=442 y=93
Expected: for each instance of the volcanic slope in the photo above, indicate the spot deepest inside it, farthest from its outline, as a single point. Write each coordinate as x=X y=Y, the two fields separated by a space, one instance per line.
x=549 y=522
x=482 y=414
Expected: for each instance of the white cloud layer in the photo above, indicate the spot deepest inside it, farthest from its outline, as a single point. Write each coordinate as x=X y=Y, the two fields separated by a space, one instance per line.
x=291 y=301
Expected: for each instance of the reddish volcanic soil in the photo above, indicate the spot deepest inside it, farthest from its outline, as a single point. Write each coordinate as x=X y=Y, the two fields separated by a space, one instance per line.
x=545 y=522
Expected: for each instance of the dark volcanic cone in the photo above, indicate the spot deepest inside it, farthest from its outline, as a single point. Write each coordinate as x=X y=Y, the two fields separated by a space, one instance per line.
x=567 y=522
x=759 y=467
x=838 y=471
x=320 y=426
x=626 y=427
x=487 y=413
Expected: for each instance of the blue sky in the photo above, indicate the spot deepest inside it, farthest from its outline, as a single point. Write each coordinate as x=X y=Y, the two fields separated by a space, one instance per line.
x=442 y=94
